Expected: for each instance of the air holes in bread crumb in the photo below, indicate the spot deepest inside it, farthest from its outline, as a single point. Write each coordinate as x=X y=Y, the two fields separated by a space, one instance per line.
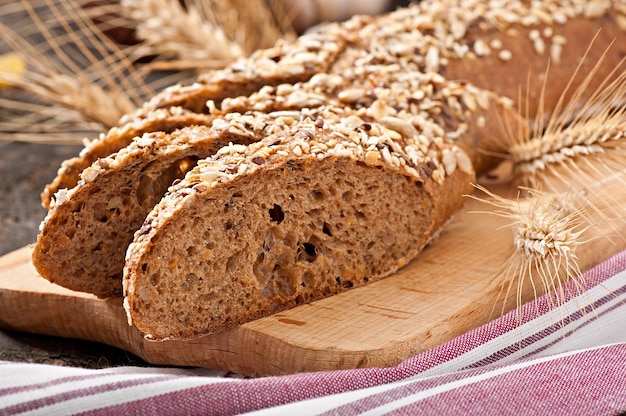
x=154 y=279
x=285 y=284
x=326 y=230
x=316 y=195
x=232 y=262
x=190 y=280
x=309 y=252
x=99 y=213
x=344 y=283
x=277 y=214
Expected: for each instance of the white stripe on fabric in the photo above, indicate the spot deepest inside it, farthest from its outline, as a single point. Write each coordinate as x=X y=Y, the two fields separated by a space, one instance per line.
x=23 y=374
x=605 y=325
x=326 y=403
x=535 y=326
x=122 y=396
x=51 y=388
x=388 y=407
x=321 y=405
x=33 y=382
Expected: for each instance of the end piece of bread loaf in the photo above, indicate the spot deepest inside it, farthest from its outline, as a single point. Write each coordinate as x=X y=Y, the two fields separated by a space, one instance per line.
x=163 y=120
x=328 y=203
x=83 y=239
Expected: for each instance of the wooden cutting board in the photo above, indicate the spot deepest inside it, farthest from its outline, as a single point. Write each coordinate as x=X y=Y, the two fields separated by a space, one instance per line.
x=451 y=288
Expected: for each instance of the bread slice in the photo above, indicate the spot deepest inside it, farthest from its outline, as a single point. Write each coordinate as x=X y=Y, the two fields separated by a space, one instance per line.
x=328 y=202
x=83 y=239
x=164 y=120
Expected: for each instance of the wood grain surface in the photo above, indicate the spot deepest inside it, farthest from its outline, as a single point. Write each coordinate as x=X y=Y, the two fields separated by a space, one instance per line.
x=451 y=288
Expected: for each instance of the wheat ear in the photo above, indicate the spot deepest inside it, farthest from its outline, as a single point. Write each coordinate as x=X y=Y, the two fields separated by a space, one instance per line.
x=549 y=230
x=582 y=141
x=202 y=35
x=77 y=82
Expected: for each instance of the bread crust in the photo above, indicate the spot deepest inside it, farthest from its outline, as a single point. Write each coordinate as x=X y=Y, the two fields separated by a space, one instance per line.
x=158 y=120
x=504 y=47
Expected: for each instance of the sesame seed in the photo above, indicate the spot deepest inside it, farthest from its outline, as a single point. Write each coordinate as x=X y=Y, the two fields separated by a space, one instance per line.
x=534 y=34
x=495 y=44
x=481 y=48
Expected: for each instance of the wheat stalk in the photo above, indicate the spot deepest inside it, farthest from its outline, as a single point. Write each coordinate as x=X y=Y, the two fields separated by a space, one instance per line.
x=549 y=230
x=76 y=79
x=79 y=82
x=580 y=143
x=577 y=160
x=203 y=35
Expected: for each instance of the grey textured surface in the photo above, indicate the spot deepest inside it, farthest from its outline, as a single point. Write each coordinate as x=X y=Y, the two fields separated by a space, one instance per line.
x=24 y=170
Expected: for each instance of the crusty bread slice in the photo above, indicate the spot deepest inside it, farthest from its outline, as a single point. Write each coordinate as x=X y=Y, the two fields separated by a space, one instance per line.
x=165 y=120
x=326 y=203
x=83 y=239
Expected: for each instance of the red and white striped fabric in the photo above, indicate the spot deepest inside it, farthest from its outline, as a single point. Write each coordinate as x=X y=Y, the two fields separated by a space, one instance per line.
x=568 y=360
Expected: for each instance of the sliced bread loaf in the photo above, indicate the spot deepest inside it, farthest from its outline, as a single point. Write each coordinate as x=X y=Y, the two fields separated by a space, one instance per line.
x=326 y=203
x=83 y=239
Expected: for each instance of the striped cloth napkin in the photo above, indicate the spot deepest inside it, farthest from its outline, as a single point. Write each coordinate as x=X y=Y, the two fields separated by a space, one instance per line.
x=568 y=360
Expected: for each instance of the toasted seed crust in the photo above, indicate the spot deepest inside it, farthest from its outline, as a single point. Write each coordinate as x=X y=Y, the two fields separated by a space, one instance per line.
x=165 y=120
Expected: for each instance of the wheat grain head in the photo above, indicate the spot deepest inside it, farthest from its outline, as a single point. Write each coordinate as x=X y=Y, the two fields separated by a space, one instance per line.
x=77 y=82
x=581 y=142
x=548 y=231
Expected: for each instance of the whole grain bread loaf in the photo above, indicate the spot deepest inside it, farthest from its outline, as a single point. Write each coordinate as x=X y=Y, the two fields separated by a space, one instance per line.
x=516 y=48
x=411 y=103
x=326 y=203
x=373 y=74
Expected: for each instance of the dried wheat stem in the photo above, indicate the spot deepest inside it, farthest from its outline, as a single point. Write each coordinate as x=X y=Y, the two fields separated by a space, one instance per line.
x=71 y=67
x=177 y=32
x=548 y=231
x=581 y=143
